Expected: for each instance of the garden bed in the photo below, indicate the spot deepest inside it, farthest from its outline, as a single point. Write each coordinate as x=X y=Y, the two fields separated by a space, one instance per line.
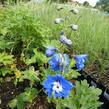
x=9 y=91
x=32 y=80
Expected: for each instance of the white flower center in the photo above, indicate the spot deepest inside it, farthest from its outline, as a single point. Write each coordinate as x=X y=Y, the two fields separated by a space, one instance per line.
x=57 y=87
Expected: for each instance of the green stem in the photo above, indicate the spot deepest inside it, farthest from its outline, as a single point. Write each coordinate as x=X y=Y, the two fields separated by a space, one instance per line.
x=58 y=104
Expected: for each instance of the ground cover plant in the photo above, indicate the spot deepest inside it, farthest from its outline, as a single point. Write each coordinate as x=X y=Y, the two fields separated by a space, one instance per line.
x=25 y=35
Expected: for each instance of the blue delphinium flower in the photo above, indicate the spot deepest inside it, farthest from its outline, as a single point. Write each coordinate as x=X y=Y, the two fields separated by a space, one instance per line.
x=50 y=51
x=57 y=86
x=80 y=60
x=64 y=40
x=59 y=62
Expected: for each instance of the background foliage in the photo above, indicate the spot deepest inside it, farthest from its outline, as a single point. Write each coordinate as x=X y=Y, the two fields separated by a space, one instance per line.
x=104 y=5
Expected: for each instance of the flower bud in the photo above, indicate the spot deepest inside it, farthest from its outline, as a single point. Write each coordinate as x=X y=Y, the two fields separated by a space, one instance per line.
x=50 y=51
x=58 y=20
x=59 y=8
x=74 y=27
x=75 y=11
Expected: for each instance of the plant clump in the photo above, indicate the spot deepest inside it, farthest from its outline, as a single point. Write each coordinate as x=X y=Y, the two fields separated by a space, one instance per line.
x=41 y=64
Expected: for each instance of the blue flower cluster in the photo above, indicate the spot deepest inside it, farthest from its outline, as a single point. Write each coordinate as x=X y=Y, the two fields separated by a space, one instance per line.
x=63 y=39
x=60 y=62
x=57 y=85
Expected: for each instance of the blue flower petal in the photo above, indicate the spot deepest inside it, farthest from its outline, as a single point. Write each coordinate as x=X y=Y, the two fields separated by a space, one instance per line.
x=60 y=95
x=80 y=60
x=66 y=93
x=50 y=51
x=59 y=62
x=66 y=84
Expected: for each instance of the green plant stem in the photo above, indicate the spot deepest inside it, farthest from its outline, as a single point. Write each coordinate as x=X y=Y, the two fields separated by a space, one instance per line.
x=58 y=104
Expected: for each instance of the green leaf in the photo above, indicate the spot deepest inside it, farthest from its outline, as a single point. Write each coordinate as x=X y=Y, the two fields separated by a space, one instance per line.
x=38 y=57
x=83 y=97
x=5 y=70
x=13 y=103
x=20 y=102
x=29 y=94
x=71 y=74
x=72 y=63
x=26 y=97
x=3 y=31
x=30 y=74
x=6 y=59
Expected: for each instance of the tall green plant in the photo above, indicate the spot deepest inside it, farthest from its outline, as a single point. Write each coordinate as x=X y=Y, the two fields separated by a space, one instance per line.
x=21 y=27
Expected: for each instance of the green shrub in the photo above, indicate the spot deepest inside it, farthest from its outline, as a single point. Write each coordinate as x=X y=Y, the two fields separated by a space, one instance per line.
x=21 y=27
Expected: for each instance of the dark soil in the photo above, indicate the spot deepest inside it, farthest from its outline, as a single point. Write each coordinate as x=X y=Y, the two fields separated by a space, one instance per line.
x=8 y=91
x=101 y=78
